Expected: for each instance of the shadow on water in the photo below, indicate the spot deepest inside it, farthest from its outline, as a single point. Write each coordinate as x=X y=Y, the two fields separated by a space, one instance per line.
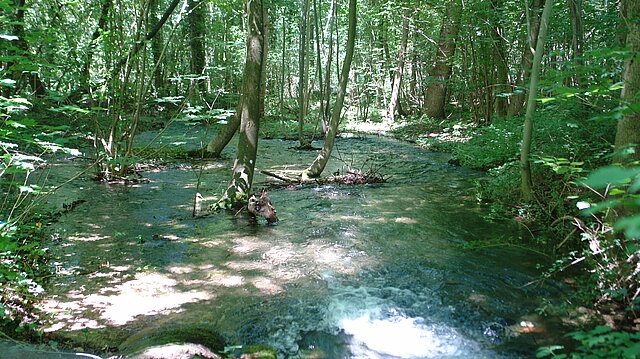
x=373 y=271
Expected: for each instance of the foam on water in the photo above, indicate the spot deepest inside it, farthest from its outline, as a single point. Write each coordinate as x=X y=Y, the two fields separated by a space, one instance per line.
x=398 y=336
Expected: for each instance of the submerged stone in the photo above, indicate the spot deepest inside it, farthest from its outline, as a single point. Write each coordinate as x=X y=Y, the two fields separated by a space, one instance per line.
x=173 y=342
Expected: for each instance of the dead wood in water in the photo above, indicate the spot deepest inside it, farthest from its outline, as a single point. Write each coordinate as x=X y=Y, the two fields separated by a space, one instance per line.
x=351 y=177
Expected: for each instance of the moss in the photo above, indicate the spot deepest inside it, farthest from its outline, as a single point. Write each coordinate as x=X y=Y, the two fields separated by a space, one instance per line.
x=152 y=337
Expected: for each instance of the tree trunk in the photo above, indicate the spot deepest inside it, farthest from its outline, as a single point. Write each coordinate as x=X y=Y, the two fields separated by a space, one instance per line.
x=319 y=42
x=516 y=103
x=577 y=38
x=303 y=77
x=436 y=95
x=500 y=60
x=32 y=78
x=283 y=65
x=327 y=84
x=156 y=49
x=251 y=102
x=102 y=23
x=628 y=132
x=397 y=81
x=318 y=165
x=138 y=45
x=525 y=166
x=197 y=21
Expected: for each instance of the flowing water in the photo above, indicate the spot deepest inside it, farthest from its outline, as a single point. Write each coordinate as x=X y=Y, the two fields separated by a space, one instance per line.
x=369 y=271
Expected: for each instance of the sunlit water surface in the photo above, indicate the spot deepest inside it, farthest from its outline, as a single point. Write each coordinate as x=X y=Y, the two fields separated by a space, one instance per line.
x=372 y=271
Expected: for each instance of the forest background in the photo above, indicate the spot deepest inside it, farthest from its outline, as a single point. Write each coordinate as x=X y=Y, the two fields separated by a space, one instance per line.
x=546 y=102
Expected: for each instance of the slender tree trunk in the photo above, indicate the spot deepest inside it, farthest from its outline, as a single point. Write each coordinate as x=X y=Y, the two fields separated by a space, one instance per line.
x=223 y=136
x=628 y=132
x=517 y=101
x=138 y=45
x=22 y=50
x=500 y=60
x=327 y=89
x=197 y=20
x=251 y=102
x=303 y=77
x=577 y=38
x=436 y=95
x=102 y=23
x=319 y=42
x=397 y=81
x=525 y=166
x=283 y=65
x=156 y=49
x=318 y=165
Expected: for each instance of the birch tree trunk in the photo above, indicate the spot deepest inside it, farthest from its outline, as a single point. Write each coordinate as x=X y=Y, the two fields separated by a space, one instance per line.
x=318 y=165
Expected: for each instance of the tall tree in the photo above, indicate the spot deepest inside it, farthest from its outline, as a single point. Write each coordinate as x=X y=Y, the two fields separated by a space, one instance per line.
x=499 y=58
x=197 y=20
x=93 y=44
x=150 y=35
x=516 y=102
x=526 y=183
x=303 y=70
x=32 y=78
x=156 y=48
x=628 y=132
x=251 y=101
x=436 y=93
x=397 y=80
x=577 y=35
x=318 y=165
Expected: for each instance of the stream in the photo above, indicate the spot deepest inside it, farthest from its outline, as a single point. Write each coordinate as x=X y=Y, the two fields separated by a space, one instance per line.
x=368 y=271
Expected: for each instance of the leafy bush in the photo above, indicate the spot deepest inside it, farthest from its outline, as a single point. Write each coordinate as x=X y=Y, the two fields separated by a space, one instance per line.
x=600 y=342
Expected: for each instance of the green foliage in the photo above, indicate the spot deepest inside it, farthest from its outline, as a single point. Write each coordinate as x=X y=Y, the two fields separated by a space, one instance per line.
x=228 y=202
x=600 y=342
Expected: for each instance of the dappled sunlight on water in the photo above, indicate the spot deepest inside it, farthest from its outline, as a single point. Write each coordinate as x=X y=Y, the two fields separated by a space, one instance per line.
x=350 y=271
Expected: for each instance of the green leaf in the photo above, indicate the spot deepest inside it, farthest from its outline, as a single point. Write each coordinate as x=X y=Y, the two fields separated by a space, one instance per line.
x=616 y=191
x=633 y=351
x=630 y=225
x=8 y=82
x=9 y=37
x=71 y=108
x=609 y=175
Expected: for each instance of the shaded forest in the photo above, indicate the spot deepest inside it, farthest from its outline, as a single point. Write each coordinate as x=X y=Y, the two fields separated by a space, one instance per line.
x=540 y=96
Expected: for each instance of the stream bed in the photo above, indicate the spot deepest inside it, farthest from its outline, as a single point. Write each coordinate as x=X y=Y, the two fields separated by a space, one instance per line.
x=367 y=271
